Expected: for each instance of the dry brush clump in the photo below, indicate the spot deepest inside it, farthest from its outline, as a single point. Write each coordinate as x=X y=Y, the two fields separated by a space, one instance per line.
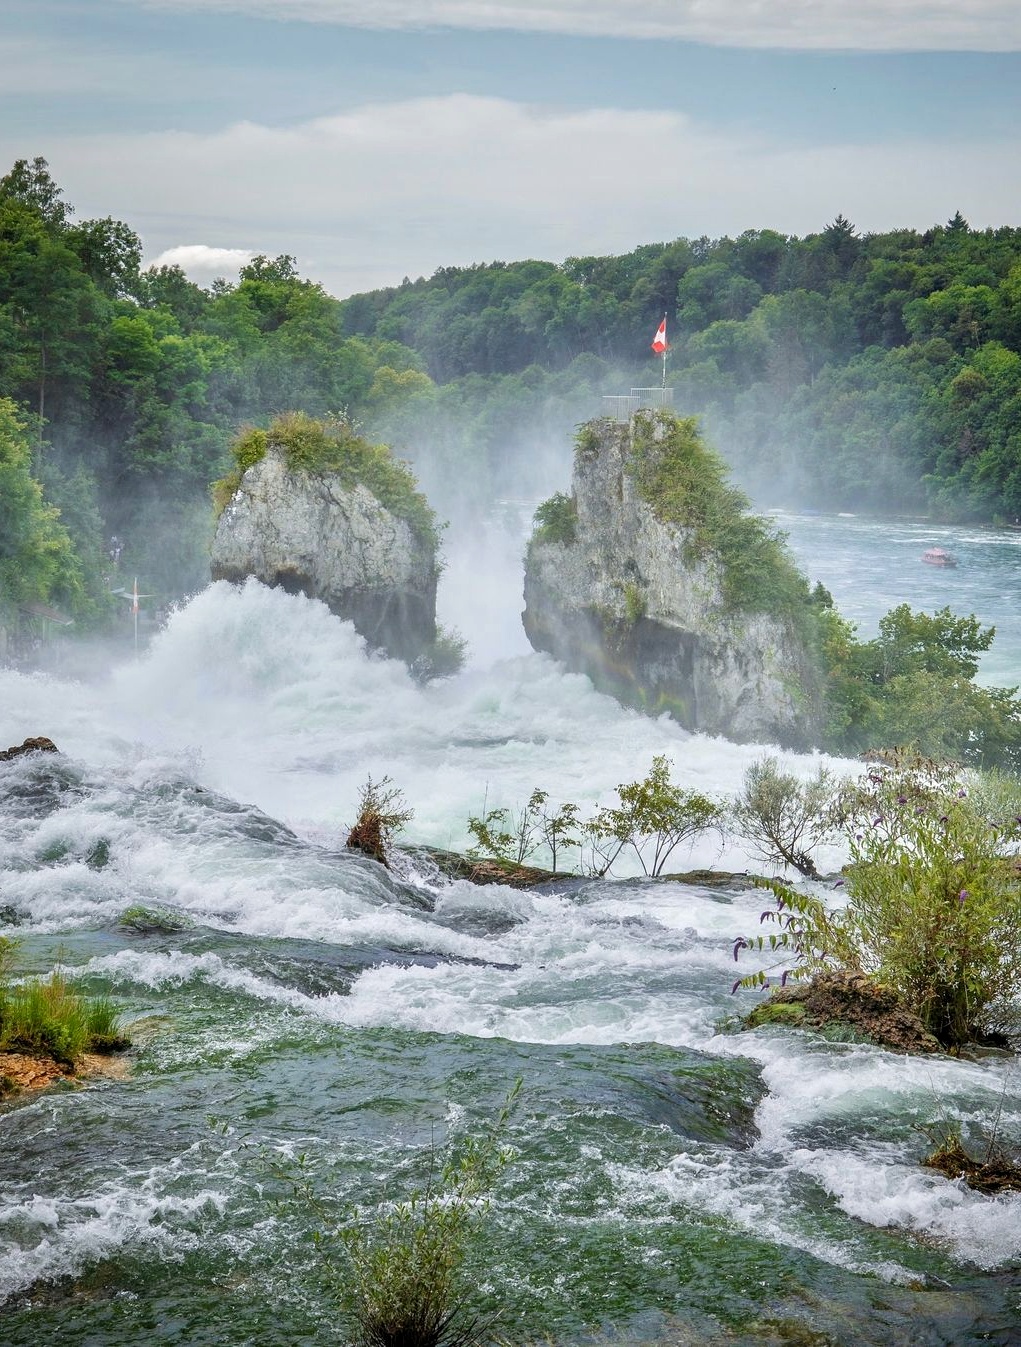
x=382 y=813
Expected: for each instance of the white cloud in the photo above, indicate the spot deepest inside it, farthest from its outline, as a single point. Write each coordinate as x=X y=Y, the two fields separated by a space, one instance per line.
x=201 y=262
x=870 y=25
x=371 y=195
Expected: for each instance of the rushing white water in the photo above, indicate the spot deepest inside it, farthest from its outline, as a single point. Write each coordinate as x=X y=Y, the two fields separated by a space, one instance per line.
x=271 y=700
x=252 y=700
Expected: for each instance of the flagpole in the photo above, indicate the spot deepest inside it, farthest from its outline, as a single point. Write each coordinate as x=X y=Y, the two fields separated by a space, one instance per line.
x=665 y=349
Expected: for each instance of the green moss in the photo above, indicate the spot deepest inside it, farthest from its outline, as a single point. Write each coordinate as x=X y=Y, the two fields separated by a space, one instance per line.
x=153 y=920
x=556 y=520
x=685 y=482
x=588 y=439
x=248 y=449
x=791 y=1013
x=331 y=446
x=634 y=603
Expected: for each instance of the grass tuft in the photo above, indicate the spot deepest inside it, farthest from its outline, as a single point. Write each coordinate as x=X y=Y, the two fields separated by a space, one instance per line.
x=50 y=1017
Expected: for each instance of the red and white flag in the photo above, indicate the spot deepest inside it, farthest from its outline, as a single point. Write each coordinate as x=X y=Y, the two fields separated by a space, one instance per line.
x=134 y=596
x=659 y=341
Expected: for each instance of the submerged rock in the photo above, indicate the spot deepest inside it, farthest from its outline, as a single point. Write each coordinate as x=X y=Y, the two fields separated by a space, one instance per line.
x=316 y=530
x=650 y=608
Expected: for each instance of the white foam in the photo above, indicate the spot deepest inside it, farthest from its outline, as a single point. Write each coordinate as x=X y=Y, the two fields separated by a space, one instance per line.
x=42 y=1239
x=979 y=1229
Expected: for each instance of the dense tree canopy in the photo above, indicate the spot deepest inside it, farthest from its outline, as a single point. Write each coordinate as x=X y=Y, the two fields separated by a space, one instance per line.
x=839 y=370
x=37 y=560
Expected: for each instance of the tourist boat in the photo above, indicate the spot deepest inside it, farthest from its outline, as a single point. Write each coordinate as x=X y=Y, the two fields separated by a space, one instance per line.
x=935 y=556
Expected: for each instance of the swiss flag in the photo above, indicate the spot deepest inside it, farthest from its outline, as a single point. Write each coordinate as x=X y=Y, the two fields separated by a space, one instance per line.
x=659 y=341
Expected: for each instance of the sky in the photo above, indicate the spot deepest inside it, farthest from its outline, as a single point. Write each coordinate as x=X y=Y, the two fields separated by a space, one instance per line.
x=378 y=139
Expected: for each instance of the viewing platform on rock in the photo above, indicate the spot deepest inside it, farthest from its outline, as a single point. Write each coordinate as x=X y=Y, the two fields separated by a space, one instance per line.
x=622 y=406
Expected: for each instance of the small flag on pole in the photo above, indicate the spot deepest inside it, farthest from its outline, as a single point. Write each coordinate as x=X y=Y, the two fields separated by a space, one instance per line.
x=659 y=342
x=134 y=597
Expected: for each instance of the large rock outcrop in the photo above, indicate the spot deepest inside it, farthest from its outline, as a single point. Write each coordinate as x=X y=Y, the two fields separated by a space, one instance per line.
x=308 y=532
x=619 y=593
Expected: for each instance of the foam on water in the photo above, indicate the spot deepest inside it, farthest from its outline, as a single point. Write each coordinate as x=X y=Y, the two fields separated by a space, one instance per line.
x=985 y=1231
x=271 y=701
x=42 y=1239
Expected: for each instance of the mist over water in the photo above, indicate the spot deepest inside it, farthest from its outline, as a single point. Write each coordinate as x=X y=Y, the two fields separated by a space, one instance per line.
x=668 y=1171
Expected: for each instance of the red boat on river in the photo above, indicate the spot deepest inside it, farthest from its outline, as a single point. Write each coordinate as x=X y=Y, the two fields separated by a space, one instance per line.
x=935 y=556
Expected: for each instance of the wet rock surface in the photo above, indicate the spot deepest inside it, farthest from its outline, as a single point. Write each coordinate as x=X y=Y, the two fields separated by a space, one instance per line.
x=38 y=745
x=849 y=1000
x=26 y=1073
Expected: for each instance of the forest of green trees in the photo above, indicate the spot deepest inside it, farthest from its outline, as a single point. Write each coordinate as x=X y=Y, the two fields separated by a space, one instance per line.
x=841 y=371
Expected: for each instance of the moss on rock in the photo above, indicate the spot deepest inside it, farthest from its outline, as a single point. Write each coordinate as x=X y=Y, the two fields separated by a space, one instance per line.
x=848 y=1001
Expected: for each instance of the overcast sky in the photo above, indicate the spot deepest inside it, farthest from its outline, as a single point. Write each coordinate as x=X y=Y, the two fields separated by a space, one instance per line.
x=375 y=139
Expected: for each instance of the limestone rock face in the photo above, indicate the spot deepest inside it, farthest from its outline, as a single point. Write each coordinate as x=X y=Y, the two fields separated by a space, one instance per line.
x=308 y=534
x=623 y=604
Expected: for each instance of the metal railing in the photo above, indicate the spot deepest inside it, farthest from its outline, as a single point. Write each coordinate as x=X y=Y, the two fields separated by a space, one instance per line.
x=622 y=406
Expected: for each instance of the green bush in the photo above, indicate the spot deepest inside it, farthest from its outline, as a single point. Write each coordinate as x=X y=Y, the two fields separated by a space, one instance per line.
x=556 y=520
x=248 y=449
x=513 y=838
x=401 y=1271
x=933 y=903
x=653 y=818
x=914 y=685
x=782 y=816
x=444 y=656
x=653 y=813
x=331 y=446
